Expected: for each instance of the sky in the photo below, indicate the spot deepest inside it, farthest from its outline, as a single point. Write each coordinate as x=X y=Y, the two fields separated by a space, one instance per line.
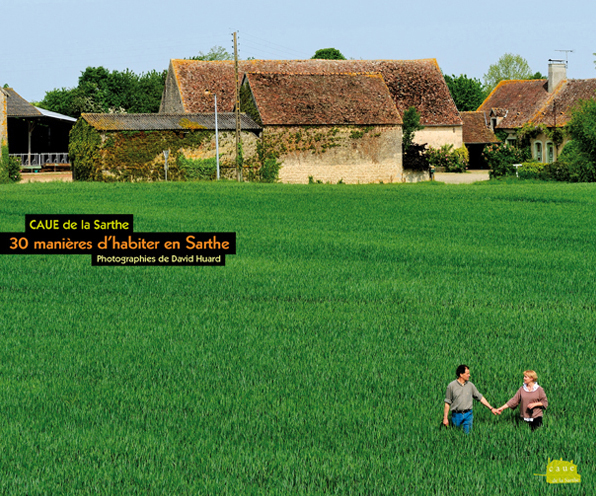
x=48 y=43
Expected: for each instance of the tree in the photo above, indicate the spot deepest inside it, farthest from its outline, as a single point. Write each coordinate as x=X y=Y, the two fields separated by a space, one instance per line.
x=509 y=66
x=414 y=155
x=467 y=93
x=582 y=128
x=100 y=90
x=215 y=53
x=328 y=54
x=411 y=124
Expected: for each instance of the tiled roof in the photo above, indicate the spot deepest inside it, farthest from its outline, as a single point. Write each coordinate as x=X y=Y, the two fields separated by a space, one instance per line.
x=322 y=99
x=475 y=129
x=520 y=99
x=417 y=83
x=557 y=111
x=530 y=101
x=168 y=122
x=17 y=106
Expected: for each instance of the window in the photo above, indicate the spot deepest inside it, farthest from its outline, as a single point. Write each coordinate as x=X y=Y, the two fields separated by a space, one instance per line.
x=538 y=151
x=511 y=140
x=550 y=152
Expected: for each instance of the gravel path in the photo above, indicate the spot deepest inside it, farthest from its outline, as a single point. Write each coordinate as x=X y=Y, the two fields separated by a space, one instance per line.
x=44 y=177
x=462 y=178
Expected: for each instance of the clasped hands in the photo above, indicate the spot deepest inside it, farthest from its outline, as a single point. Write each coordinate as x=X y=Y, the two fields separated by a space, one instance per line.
x=497 y=411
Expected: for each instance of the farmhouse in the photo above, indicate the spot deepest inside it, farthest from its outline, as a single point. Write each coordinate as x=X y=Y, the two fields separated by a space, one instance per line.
x=327 y=127
x=129 y=147
x=417 y=83
x=542 y=106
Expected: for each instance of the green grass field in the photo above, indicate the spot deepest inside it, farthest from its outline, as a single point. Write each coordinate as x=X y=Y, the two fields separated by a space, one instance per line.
x=316 y=360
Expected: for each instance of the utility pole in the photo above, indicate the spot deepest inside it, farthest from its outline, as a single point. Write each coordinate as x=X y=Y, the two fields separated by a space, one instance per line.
x=238 y=143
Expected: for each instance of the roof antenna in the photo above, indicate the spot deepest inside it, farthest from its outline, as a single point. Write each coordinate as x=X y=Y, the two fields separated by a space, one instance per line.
x=567 y=52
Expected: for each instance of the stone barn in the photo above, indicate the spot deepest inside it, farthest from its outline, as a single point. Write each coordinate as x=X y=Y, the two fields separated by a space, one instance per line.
x=327 y=127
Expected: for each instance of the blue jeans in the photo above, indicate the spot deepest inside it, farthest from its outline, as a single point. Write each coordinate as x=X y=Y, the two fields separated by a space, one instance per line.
x=463 y=419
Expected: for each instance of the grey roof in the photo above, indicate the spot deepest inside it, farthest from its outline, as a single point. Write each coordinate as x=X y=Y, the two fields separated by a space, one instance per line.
x=226 y=121
x=17 y=106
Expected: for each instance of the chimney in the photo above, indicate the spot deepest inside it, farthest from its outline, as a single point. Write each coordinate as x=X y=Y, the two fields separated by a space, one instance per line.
x=557 y=72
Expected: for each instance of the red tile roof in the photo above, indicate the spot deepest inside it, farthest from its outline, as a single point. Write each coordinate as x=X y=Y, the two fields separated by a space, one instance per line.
x=322 y=99
x=520 y=99
x=475 y=129
x=417 y=83
x=557 y=111
x=530 y=101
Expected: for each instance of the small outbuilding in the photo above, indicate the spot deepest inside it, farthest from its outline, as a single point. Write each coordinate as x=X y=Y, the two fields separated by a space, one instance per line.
x=130 y=147
x=37 y=137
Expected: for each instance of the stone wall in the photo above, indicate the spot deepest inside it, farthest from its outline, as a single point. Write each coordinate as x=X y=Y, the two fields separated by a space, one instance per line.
x=3 y=120
x=437 y=136
x=350 y=154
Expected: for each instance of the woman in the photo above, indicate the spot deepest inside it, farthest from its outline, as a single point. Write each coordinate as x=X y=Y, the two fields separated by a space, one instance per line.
x=532 y=399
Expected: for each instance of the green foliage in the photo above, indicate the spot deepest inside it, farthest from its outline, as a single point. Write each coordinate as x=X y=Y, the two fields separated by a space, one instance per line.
x=215 y=53
x=269 y=171
x=4 y=165
x=411 y=124
x=453 y=160
x=100 y=90
x=537 y=75
x=509 y=66
x=265 y=167
x=501 y=134
x=198 y=169
x=467 y=93
x=14 y=170
x=361 y=132
x=582 y=127
x=527 y=133
x=247 y=104
x=128 y=155
x=573 y=165
x=83 y=151
x=328 y=54
x=532 y=170
x=501 y=158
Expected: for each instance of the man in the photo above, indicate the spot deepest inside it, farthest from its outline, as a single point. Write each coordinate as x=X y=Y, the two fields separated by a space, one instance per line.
x=459 y=397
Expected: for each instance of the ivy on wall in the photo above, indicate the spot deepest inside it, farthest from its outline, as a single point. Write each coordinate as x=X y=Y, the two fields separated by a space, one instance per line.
x=83 y=151
x=129 y=155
